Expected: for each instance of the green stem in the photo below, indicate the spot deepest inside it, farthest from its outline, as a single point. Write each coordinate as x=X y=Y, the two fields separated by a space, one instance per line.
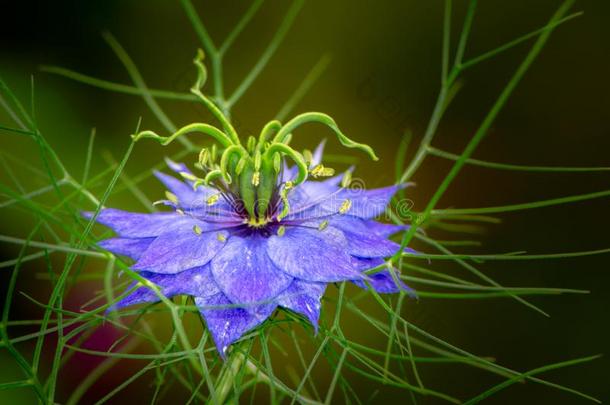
x=489 y=119
x=224 y=386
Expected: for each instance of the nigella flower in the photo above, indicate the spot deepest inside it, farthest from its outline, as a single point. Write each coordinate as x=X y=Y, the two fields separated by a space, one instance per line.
x=254 y=235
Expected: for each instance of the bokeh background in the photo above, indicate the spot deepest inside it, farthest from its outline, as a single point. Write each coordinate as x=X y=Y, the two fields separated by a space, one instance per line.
x=383 y=78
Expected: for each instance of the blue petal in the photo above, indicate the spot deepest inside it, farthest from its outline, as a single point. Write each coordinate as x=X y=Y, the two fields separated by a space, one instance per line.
x=312 y=192
x=378 y=228
x=385 y=230
x=303 y=298
x=177 y=167
x=138 y=225
x=363 y=264
x=197 y=282
x=288 y=172
x=190 y=200
x=246 y=274
x=382 y=281
x=187 y=197
x=361 y=237
x=312 y=255
x=181 y=249
x=314 y=199
x=364 y=203
x=132 y=248
x=227 y=323
x=336 y=180
x=316 y=158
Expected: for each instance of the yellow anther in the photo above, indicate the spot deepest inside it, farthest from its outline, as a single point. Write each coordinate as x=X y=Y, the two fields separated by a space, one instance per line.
x=321 y=171
x=213 y=199
x=221 y=237
x=317 y=170
x=179 y=211
x=323 y=225
x=171 y=197
x=256 y=178
x=345 y=206
x=328 y=171
x=197 y=229
x=288 y=185
x=347 y=179
x=281 y=230
x=188 y=176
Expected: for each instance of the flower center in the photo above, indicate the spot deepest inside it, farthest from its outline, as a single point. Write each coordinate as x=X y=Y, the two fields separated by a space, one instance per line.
x=258 y=223
x=248 y=175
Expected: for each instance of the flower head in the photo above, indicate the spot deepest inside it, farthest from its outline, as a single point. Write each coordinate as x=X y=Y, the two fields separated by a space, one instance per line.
x=252 y=234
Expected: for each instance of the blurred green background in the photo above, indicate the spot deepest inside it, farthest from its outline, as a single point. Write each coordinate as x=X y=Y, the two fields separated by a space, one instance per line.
x=383 y=78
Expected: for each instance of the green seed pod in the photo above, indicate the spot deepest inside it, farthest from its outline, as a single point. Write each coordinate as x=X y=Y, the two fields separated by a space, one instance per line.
x=247 y=191
x=266 y=186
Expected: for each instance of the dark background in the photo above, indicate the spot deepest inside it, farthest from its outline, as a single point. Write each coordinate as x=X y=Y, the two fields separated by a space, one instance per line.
x=384 y=77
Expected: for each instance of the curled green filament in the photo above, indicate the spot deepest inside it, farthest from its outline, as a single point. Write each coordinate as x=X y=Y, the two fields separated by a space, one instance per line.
x=321 y=118
x=296 y=157
x=226 y=156
x=214 y=132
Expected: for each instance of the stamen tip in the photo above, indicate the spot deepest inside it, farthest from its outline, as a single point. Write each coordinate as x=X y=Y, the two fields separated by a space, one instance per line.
x=345 y=206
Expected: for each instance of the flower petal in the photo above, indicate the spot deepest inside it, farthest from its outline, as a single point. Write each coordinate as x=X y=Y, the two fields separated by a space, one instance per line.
x=288 y=172
x=245 y=273
x=197 y=282
x=129 y=247
x=138 y=225
x=355 y=224
x=177 y=167
x=316 y=158
x=190 y=200
x=303 y=297
x=364 y=203
x=181 y=249
x=314 y=199
x=227 y=324
x=187 y=197
x=312 y=255
x=385 y=230
x=361 y=238
x=309 y=194
x=364 y=264
x=382 y=281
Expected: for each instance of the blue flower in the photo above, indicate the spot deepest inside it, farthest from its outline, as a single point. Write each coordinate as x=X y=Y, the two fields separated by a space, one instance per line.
x=239 y=269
